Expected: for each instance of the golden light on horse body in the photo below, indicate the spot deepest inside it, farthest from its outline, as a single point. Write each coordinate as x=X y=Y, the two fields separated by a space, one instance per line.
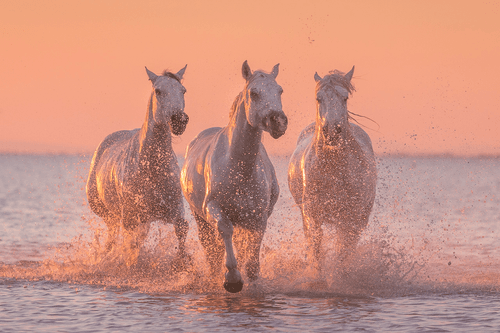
x=332 y=172
x=134 y=174
x=229 y=181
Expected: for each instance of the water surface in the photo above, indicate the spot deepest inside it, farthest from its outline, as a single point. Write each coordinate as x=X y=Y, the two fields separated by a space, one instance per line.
x=429 y=260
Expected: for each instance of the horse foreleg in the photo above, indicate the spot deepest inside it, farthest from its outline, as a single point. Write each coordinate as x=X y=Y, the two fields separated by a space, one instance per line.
x=233 y=281
x=214 y=248
x=181 y=228
x=348 y=235
x=182 y=259
x=253 y=250
x=314 y=236
x=113 y=228
x=134 y=239
x=240 y=240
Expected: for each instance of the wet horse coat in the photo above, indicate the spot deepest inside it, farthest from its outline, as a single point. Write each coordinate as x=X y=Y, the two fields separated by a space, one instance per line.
x=332 y=173
x=229 y=181
x=134 y=174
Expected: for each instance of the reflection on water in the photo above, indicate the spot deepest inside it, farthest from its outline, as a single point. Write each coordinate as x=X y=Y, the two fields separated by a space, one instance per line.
x=47 y=306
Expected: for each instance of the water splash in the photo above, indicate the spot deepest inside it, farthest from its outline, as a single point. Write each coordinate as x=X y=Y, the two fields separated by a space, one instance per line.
x=377 y=268
x=410 y=247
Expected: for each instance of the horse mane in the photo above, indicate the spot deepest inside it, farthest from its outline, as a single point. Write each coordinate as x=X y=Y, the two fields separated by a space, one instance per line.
x=235 y=105
x=336 y=78
x=171 y=75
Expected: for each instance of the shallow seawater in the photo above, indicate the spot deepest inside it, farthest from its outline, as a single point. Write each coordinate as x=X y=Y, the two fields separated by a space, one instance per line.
x=429 y=260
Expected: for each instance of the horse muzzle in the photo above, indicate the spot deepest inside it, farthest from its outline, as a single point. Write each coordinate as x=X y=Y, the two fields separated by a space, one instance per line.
x=276 y=123
x=178 y=123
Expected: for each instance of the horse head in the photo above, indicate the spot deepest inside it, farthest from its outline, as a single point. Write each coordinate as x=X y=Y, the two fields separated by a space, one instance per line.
x=262 y=101
x=332 y=92
x=167 y=100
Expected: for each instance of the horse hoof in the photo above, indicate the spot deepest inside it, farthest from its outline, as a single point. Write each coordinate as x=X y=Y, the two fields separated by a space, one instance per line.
x=233 y=287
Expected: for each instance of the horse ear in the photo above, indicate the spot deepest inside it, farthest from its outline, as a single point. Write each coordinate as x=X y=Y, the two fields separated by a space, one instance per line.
x=152 y=76
x=317 y=78
x=349 y=75
x=180 y=73
x=246 y=71
x=275 y=70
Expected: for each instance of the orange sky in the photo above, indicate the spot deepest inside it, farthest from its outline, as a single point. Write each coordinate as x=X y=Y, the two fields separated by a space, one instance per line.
x=427 y=72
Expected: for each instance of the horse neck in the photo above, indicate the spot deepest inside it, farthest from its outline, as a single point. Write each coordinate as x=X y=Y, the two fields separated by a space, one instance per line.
x=154 y=138
x=244 y=139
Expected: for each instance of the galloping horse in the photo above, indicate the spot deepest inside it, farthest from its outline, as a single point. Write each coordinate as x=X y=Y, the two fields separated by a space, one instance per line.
x=134 y=174
x=332 y=173
x=229 y=181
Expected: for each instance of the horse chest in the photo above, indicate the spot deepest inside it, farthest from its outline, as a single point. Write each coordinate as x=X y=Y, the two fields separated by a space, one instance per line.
x=155 y=194
x=246 y=201
x=335 y=191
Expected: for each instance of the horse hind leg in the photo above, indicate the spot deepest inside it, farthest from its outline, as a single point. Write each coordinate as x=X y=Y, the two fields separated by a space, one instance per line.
x=111 y=221
x=181 y=228
x=214 y=248
x=240 y=240
x=254 y=241
x=134 y=239
x=314 y=238
x=183 y=259
x=113 y=230
x=347 y=239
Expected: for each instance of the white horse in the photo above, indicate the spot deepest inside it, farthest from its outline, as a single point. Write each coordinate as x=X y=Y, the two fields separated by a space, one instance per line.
x=134 y=174
x=332 y=173
x=229 y=181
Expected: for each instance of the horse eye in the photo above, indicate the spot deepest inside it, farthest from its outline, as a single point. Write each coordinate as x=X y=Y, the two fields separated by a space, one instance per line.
x=158 y=91
x=254 y=94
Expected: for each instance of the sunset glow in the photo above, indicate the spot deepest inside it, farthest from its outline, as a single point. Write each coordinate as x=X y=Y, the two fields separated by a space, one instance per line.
x=426 y=72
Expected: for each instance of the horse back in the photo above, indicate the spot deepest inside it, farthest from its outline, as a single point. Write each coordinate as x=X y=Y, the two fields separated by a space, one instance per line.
x=202 y=139
x=114 y=142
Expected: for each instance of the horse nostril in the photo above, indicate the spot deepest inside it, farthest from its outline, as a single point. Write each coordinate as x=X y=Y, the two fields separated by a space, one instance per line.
x=338 y=129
